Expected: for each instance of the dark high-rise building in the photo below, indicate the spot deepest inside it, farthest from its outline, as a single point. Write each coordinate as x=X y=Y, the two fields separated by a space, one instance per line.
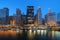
x=30 y=15
x=24 y=20
x=43 y=21
x=46 y=18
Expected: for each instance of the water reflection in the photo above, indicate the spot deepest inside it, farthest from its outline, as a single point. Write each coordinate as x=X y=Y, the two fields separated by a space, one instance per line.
x=38 y=32
x=53 y=34
x=30 y=35
x=7 y=33
x=57 y=35
x=21 y=31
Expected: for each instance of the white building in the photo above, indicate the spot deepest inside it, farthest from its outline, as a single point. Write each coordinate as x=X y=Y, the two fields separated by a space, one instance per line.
x=39 y=17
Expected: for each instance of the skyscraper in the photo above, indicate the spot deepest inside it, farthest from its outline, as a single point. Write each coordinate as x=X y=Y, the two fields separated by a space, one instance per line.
x=18 y=17
x=39 y=16
x=6 y=12
x=51 y=18
x=4 y=16
x=30 y=15
x=58 y=19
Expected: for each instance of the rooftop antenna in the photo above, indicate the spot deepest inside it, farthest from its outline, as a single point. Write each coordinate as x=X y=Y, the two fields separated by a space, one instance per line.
x=49 y=10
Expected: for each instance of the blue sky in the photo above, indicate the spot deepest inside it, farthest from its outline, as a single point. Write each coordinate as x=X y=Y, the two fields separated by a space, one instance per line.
x=22 y=5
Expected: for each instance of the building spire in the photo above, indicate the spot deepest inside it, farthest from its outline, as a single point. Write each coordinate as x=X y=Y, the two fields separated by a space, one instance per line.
x=49 y=10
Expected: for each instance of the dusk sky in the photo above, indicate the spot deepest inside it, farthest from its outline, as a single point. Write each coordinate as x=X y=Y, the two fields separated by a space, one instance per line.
x=22 y=5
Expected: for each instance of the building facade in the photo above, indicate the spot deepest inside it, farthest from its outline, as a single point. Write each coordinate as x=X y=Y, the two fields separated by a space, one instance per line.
x=51 y=18
x=58 y=19
x=4 y=16
x=6 y=11
x=24 y=20
x=18 y=17
x=38 y=18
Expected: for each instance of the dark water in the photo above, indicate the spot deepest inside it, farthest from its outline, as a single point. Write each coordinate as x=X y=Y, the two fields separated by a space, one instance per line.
x=30 y=35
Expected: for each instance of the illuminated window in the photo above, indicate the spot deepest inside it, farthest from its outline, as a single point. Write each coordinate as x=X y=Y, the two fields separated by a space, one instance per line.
x=30 y=20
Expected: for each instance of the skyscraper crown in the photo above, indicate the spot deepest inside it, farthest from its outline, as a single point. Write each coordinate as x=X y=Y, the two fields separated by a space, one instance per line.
x=49 y=10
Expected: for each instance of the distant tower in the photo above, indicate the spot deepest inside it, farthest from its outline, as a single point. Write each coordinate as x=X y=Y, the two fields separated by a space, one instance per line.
x=18 y=11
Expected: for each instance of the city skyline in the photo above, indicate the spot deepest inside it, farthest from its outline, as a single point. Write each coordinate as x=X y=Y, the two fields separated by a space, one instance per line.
x=22 y=4
x=29 y=19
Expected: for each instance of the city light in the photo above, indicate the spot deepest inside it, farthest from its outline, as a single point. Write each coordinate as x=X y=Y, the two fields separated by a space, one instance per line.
x=29 y=19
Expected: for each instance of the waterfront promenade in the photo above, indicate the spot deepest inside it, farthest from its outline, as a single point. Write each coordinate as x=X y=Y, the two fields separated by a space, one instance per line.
x=28 y=28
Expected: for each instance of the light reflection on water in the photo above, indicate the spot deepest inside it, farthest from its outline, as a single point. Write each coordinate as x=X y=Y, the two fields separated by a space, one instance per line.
x=7 y=33
x=52 y=34
x=38 y=32
x=31 y=35
x=57 y=35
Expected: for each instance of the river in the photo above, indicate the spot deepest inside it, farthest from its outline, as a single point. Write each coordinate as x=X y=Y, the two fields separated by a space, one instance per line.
x=30 y=35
